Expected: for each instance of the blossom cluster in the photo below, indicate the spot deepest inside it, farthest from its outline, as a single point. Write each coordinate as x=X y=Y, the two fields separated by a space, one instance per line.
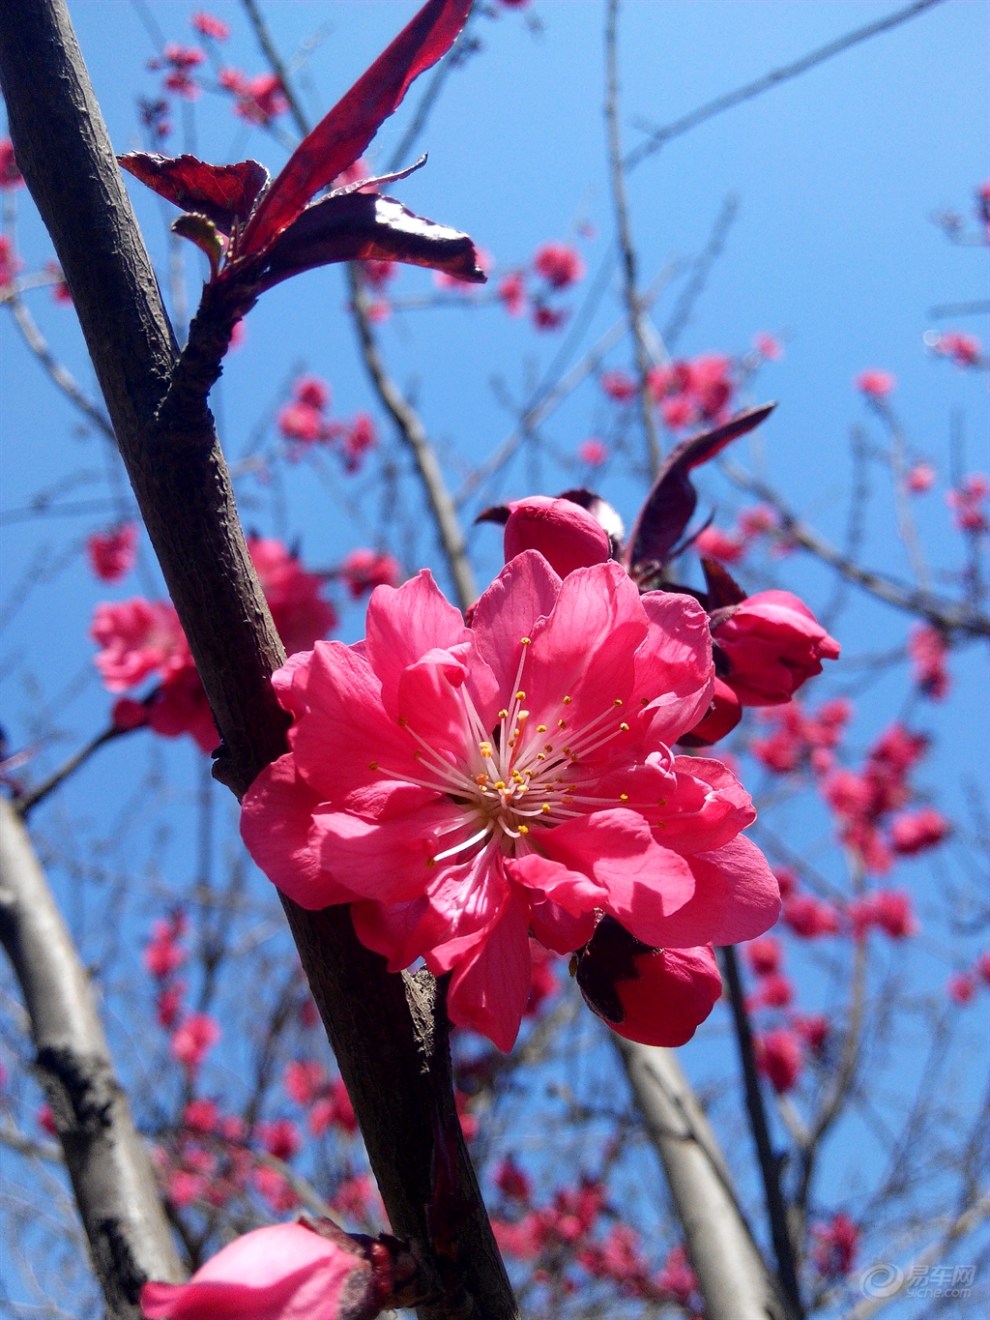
x=304 y=421
x=141 y=639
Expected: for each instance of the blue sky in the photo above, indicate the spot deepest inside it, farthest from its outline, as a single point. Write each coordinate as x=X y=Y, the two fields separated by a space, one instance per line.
x=836 y=176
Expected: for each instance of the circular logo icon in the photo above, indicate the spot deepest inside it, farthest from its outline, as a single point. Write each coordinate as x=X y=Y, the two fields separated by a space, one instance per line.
x=881 y=1280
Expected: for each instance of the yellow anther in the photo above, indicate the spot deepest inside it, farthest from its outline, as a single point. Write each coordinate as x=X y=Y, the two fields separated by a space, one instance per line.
x=522 y=717
x=500 y=784
x=372 y=765
x=523 y=829
x=503 y=714
x=617 y=701
x=541 y=728
x=520 y=695
x=623 y=797
x=541 y=756
x=568 y=700
x=624 y=727
x=545 y=809
x=518 y=777
x=561 y=724
x=485 y=749
x=525 y=641
x=481 y=780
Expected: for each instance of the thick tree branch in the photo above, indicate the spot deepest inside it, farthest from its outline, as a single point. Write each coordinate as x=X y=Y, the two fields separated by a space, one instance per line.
x=733 y=1278
x=111 y=1174
x=393 y=1061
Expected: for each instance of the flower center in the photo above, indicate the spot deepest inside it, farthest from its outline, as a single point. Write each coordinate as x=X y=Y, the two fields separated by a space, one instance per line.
x=523 y=774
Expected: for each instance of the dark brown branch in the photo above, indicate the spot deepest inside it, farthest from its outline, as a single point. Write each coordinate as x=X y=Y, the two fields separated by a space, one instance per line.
x=111 y=1174
x=769 y=1165
x=392 y=1060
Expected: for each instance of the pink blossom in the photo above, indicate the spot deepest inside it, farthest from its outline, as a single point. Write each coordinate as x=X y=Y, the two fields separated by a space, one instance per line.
x=163 y=954
x=565 y=534
x=920 y=478
x=259 y=100
x=208 y=26
x=764 y=955
x=768 y=346
x=559 y=264
x=964 y=350
x=889 y=910
x=758 y=519
x=301 y=421
x=512 y=1182
x=716 y=544
x=10 y=175
x=10 y=264
x=282 y=1272
x=677 y=412
x=835 y=1246
x=359 y=437
x=304 y=1080
x=113 y=554
x=813 y=1030
x=138 y=637
x=512 y=293
x=280 y=1138
x=300 y=613
x=200 y=1116
x=364 y=570
x=548 y=318
x=194 y=1038
x=913 y=832
x=779 y=1058
x=966 y=501
x=961 y=987
x=874 y=383
x=809 y=917
x=619 y=385
x=773 y=644
x=677 y=1277
x=721 y=718
x=592 y=451
x=508 y=777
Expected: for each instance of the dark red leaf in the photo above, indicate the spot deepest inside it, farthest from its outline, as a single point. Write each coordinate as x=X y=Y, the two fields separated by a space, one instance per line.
x=723 y=589
x=364 y=226
x=672 y=500
x=224 y=193
x=340 y=137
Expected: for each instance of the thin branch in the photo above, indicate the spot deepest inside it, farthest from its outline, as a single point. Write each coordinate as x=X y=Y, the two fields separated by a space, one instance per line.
x=659 y=137
x=945 y=614
x=769 y=1165
x=635 y=312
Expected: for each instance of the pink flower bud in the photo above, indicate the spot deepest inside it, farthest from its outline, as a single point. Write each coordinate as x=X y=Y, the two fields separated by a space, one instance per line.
x=566 y=535
x=773 y=644
x=654 y=996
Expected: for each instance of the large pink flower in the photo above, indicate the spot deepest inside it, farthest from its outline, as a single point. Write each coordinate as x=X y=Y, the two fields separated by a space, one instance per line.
x=465 y=786
x=282 y=1272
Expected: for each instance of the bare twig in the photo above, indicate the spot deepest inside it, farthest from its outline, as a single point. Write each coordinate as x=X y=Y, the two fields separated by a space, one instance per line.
x=635 y=309
x=659 y=137
x=948 y=615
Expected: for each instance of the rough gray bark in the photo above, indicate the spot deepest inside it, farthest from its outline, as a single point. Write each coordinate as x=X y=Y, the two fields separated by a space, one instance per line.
x=129 y=1236
x=733 y=1278
x=393 y=1062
